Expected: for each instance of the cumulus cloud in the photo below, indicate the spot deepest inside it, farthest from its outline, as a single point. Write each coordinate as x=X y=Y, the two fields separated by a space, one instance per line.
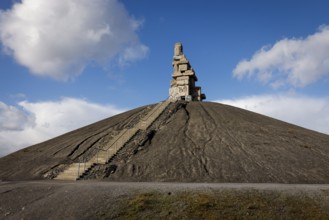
x=39 y=121
x=297 y=62
x=305 y=111
x=59 y=38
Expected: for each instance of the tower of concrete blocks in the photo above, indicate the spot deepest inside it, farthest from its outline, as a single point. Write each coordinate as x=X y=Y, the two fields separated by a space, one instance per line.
x=182 y=86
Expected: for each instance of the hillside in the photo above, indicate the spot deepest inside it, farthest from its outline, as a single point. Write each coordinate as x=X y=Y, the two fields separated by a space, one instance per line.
x=189 y=142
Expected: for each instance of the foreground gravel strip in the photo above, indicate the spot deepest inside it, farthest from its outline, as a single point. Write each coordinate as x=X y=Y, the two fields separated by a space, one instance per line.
x=86 y=199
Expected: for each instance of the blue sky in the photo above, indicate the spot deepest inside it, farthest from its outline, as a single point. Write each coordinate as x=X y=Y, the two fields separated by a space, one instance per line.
x=65 y=64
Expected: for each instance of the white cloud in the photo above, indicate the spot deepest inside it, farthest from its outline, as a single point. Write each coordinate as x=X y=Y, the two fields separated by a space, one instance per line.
x=12 y=118
x=305 y=111
x=133 y=54
x=59 y=38
x=298 y=62
x=43 y=120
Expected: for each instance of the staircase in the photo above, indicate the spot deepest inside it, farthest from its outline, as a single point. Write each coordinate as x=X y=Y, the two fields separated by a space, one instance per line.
x=152 y=115
x=76 y=170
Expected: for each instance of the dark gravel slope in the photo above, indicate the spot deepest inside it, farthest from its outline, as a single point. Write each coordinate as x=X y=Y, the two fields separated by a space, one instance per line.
x=189 y=142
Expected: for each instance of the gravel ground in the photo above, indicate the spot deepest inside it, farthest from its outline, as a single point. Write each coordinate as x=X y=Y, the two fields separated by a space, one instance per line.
x=91 y=199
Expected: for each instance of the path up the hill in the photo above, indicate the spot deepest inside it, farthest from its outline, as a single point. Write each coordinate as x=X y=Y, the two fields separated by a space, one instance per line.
x=104 y=154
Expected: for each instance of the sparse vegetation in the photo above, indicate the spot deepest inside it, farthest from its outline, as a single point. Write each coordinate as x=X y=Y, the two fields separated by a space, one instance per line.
x=221 y=205
x=118 y=200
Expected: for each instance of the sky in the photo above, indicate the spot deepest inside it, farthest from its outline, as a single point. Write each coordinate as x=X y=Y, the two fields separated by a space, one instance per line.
x=66 y=64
